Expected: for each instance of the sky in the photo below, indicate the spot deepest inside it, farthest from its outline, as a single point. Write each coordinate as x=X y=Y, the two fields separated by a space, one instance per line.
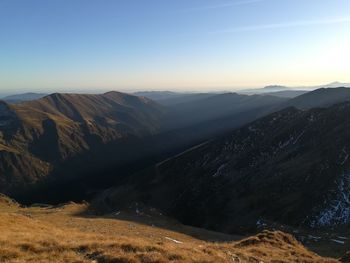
x=184 y=45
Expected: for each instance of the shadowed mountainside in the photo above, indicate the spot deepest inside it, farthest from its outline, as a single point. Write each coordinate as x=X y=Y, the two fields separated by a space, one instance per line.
x=323 y=97
x=291 y=166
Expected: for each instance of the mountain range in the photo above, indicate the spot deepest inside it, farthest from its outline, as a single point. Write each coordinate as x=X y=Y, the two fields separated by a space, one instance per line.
x=290 y=92
x=225 y=162
x=37 y=136
x=59 y=135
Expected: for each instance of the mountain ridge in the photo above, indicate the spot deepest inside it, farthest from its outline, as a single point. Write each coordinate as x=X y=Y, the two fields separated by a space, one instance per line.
x=17 y=98
x=230 y=183
x=323 y=97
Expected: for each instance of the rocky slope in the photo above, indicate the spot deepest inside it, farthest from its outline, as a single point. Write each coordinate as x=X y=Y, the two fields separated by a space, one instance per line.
x=291 y=167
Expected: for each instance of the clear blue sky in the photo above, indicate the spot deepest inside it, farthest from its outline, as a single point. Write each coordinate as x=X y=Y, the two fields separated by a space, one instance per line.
x=179 y=44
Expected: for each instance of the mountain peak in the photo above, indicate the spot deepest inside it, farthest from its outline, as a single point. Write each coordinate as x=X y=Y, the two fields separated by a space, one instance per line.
x=275 y=88
x=336 y=84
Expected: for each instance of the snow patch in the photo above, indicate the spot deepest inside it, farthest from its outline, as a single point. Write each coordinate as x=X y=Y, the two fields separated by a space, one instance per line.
x=344 y=156
x=220 y=170
x=282 y=145
x=260 y=223
x=298 y=137
x=342 y=237
x=174 y=240
x=338 y=241
x=252 y=129
x=314 y=237
x=337 y=210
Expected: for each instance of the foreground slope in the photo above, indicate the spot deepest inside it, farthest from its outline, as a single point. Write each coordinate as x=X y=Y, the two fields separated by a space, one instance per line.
x=67 y=234
x=38 y=136
x=291 y=167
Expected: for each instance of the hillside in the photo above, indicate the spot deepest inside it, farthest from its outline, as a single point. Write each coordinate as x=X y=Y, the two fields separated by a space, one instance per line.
x=323 y=97
x=68 y=233
x=289 y=167
x=40 y=135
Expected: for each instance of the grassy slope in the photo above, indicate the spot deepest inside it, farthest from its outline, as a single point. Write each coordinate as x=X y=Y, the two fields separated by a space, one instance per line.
x=61 y=234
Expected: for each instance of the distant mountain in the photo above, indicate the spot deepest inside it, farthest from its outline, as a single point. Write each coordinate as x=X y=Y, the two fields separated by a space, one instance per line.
x=168 y=98
x=290 y=92
x=37 y=137
x=335 y=84
x=185 y=98
x=158 y=95
x=291 y=166
x=323 y=97
x=287 y=93
x=267 y=89
x=219 y=106
x=274 y=88
x=23 y=97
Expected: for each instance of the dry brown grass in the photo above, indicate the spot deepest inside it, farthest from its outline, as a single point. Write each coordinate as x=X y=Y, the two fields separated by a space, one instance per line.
x=57 y=235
